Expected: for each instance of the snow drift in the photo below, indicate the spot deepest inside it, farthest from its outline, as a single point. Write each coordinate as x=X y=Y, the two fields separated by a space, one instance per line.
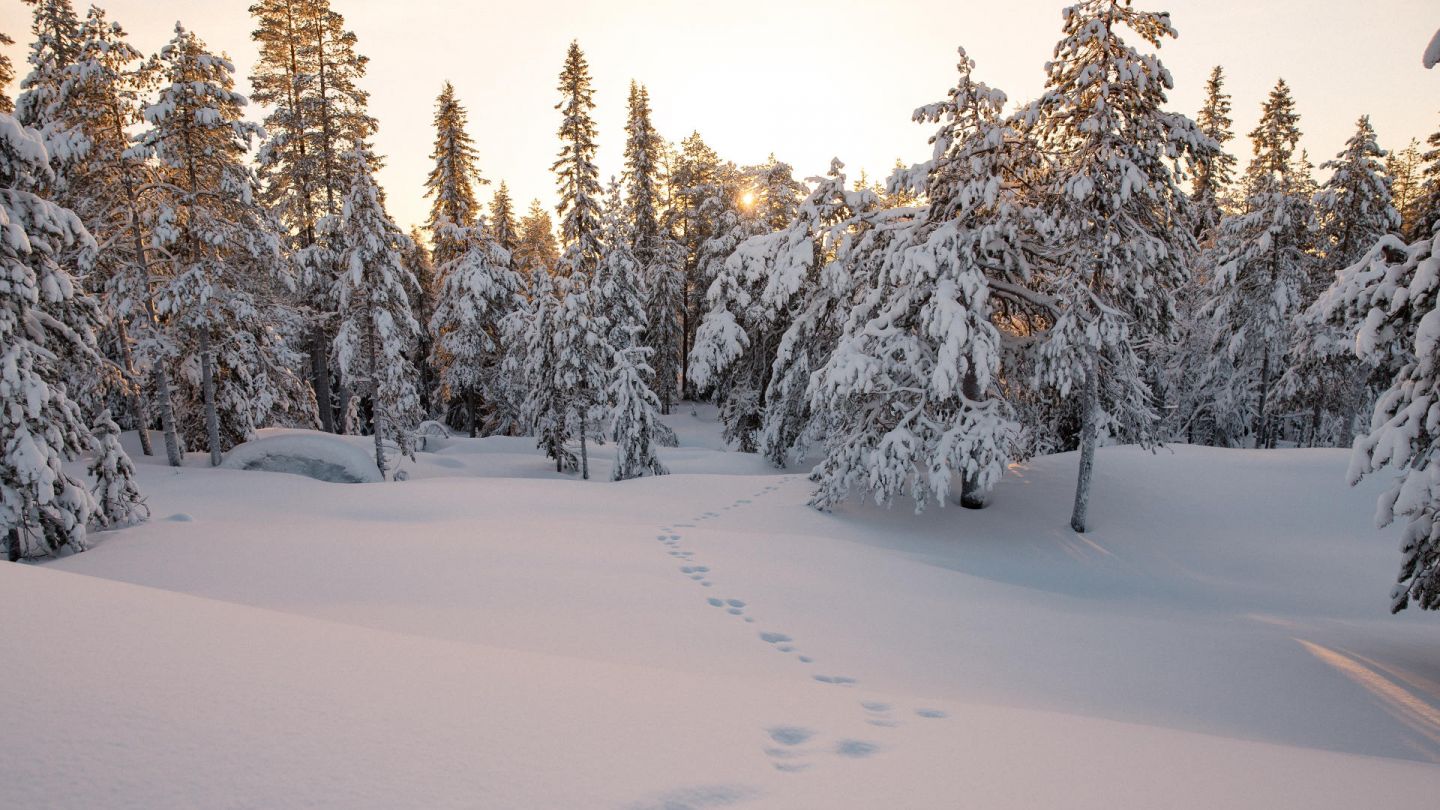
x=308 y=453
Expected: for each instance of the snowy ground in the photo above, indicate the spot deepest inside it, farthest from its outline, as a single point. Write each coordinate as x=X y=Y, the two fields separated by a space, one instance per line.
x=488 y=634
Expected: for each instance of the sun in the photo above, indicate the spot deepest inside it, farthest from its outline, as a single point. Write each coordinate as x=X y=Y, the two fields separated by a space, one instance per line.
x=747 y=199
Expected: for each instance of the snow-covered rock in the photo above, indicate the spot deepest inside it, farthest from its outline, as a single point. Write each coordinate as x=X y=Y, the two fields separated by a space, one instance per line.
x=311 y=454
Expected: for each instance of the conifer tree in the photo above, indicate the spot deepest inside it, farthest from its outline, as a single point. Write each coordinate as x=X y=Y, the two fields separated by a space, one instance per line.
x=7 y=75
x=418 y=261
x=1353 y=210
x=537 y=248
x=1114 y=256
x=377 y=328
x=643 y=153
x=1258 y=270
x=46 y=323
x=452 y=181
x=502 y=220
x=478 y=293
x=1427 y=206
x=1403 y=167
x=117 y=500
x=1214 y=170
x=222 y=250
x=582 y=360
x=56 y=46
x=544 y=406
x=104 y=96
x=577 y=179
x=308 y=75
x=698 y=203
x=910 y=395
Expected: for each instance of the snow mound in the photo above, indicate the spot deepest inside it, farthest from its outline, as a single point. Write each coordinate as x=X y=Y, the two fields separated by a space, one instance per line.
x=313 y=455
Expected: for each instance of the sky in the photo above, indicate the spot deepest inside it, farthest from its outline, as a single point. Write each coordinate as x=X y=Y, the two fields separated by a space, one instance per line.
x=806 y=81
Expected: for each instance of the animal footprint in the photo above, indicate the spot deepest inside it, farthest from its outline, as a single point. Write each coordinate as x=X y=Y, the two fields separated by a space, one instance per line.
x=932 y=714
x=855 y=749
x=838 y=680
x=786 y=752
x=879 y=714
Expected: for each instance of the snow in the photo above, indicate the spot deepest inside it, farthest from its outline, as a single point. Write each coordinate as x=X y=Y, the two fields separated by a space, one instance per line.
x=1432 y=51
x=312 y=454
x=493 y=634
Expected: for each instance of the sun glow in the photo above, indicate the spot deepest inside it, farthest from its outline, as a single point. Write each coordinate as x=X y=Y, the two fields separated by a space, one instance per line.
x=747 y=199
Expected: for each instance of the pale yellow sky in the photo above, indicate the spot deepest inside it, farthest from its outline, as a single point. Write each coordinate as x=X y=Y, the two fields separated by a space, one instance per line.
x=805 y=80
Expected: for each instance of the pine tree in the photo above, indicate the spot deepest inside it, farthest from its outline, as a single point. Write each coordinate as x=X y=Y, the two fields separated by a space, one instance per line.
x=634 y=415
x=223 y=252
x=419 y=263
x=40 y=104
x=1427 y=205
x=1115 y=257
x=544 y=405
x=117 y=500
x=451 y=184
x=104 y=95
x=478 y=293
x=502 y=220
x=1403 y=167
x=1390 y=296
x=377 y=328
x=308 y=75
x=1258 y=270
x=699 y=200
x=7 y=75
x=1353 y=210
x=1214 y=170
x=46 y=323
x=643 y=153
x=537 y=249
x=582 y=358
x=576 y=177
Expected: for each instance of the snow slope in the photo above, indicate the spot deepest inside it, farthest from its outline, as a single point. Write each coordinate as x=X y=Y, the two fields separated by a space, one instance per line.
x=491 y=634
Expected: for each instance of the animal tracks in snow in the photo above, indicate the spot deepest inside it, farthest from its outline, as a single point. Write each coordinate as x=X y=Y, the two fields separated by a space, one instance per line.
x=790 y=748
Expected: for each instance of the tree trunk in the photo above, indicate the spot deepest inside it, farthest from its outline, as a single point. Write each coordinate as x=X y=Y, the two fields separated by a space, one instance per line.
x=207 y=385
x=13 y=542
x=684 y=350
x=972 y=496
x=320 y=379
x=584 y=456
x=173 y=455
x=377 y=417
x=1262 y=419
x=470 y=412
x=1089 y=434
x=137 y=397
x=342 y=419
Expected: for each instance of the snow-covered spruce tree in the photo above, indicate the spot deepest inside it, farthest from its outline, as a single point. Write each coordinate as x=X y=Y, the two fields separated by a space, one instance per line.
x=1392 y=293
x=478 y=292
x=634 y=414
x=422 y=305
x=452 y=181
x=1427 y=203
x=222 y=253
x=577 y=179
x=1403 y=168
x=1115 y=255
x=502 y=220
x=848 y=236
x=582 y=360
x=46 y=322
x=701 y=193
x=634 y=408
x=1258 y=267
x=537 y=248
x=657 y=255
x=377 y=328
x=910 y=395
x=544 y=405
x=55 y=47
x=7 y=75
x=1323 y=377
x=307 y=75
x=117 y=500
x=1214 y=169
x=104 y=97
